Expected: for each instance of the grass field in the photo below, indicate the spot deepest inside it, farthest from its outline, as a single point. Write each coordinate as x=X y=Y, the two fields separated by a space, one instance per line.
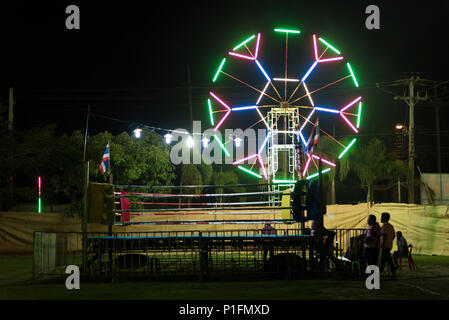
x=430 y=281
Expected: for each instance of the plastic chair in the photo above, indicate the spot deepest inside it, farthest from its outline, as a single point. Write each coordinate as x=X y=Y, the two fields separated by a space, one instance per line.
x=411 y=262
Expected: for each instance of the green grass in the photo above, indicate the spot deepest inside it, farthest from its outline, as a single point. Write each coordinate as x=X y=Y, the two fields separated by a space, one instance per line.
x=430 y=281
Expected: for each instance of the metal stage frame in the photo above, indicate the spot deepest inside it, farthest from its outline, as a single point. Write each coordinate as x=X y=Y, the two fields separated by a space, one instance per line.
x=188 y=253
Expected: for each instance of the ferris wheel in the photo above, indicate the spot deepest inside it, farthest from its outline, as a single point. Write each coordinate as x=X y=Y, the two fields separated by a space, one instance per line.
x=300 y=88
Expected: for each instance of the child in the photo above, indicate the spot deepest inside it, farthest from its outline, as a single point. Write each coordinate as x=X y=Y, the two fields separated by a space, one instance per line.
x=402 y=248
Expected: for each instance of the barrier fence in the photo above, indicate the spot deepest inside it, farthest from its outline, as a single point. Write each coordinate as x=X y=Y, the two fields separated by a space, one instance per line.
x=124 y=254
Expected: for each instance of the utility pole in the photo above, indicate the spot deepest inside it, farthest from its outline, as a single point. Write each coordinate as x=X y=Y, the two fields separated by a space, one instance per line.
x=85 y=194
x=437 y=127
x=411 y=100
x=11 y=109
x=190 y=98
x=11 y=155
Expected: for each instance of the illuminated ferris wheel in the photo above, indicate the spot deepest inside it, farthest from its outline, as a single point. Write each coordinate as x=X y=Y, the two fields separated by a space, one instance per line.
x=299 y=88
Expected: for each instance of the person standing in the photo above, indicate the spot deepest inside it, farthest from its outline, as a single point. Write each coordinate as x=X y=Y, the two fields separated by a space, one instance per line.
x=372 y=241
x=386 y=243
x=268 y=244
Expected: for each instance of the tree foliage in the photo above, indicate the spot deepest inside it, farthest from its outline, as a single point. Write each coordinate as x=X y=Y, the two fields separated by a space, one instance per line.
x=59 y=161
x=372 y=164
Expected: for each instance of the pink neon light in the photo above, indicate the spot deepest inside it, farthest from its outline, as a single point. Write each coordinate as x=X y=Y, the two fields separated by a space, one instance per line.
x=219 y=100
x=314 y=47
x=257 y=46
x=244 y=159
x=331 y=59
x=306 y=166
x=39 y=185
x=351 y=103
x=222 y=120
x=349 y=123
x=324 y=160
x=241 y=56
x=263 y=167
x=328 y=162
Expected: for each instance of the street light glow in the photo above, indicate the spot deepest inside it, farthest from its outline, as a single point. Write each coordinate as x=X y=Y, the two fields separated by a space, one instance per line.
x=168 y=138
x=137 y=133
x=205 y=141
x=237 y=141
x=190 y=142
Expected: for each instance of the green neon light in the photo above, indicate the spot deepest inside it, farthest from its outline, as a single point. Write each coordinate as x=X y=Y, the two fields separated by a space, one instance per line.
x=347 y=148
x=250 y=172
x=39 y=206
x=359 y=114
x=244 y=42
x=316 y=174
x=287 y=31
x=221 y=145
x=284 y=181
x=329 y=45
x=219 y=69
x=210 y=113
x=352 y=74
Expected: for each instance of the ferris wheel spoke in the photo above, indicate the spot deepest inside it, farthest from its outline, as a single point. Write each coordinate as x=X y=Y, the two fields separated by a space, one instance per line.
x=301 y=107
x=250 y=52
x=294 y=123
x=301 y=82
x=294 y=91
x=286 y=60
x=308 y=120
x=319 y=89
x=277 y=119
x=269 y=106
x=250 y=86
x=277 y=92
x=263 y=119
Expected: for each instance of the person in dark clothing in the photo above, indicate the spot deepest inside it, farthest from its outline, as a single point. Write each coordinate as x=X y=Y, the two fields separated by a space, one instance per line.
x=268 y=245
x=315 y=213
x=386 y=242
x=372 y=241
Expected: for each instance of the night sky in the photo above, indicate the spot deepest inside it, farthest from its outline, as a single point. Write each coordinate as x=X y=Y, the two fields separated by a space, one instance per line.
x=130 y=59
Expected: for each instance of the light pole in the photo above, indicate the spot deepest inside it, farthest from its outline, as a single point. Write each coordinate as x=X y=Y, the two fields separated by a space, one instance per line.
x=403 y=131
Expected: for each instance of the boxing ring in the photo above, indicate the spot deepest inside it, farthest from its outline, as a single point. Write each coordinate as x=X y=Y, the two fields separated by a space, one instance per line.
x=156 y=231
x=160 y=204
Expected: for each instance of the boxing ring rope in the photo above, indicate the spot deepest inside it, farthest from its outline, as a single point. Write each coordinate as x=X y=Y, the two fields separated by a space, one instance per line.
x=193 y=186
x=161 y=195
x=126 y=199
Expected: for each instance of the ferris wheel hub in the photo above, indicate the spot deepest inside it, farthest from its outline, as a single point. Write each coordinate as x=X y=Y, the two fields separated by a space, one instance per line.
x=285 y=104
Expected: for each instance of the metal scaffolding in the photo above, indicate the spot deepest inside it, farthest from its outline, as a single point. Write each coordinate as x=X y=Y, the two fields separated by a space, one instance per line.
x=283 y=122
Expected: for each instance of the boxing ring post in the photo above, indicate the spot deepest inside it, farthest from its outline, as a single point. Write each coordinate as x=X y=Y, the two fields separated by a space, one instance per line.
x=85 y=213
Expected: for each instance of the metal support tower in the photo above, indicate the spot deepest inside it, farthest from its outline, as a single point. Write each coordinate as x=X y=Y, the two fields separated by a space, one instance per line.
x=283 y=122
